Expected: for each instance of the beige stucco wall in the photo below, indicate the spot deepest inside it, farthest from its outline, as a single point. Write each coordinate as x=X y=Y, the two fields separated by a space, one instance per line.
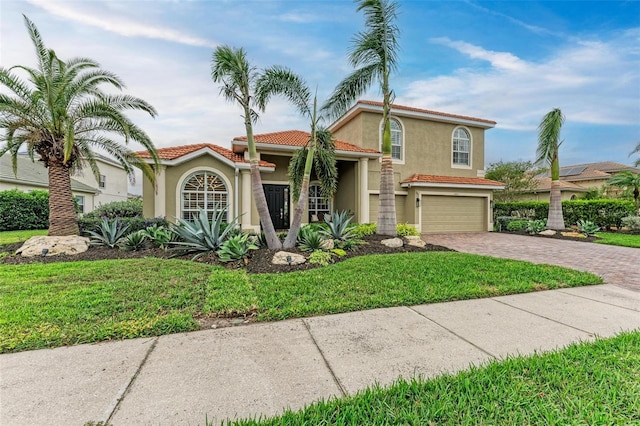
x=116 y=182
x=599 y=183
x=427 y=147
x=345 y=196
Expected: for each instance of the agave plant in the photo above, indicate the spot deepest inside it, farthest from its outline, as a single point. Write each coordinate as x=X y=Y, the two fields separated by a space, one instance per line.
x=202 y=236
x=159 y=235
x=109 y=233
x=235 y=248
x=587 y=227
x=134 y=241
x=338 y=226
x=309 y=239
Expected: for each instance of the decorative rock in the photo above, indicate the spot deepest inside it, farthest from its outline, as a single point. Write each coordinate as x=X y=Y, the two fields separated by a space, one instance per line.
x=573 y=234
x=327 y=244
x=69 y=245
x=392 y=242
x=280 y=258
x=548 y=232
x=415 y=241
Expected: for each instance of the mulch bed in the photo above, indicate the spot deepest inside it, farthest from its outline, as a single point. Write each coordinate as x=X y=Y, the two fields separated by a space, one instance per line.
x=260 y=261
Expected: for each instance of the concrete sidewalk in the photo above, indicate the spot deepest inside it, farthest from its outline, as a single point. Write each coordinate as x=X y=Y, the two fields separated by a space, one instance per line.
x=260 y=369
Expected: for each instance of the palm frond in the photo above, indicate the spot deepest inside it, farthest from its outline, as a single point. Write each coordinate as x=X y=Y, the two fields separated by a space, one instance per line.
x=296 y=172
x=279 y=80
x=349 y=89
x=549 y=136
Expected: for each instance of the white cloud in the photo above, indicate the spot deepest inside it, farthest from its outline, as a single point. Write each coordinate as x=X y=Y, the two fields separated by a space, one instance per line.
x=119 y=25
x=594 y=82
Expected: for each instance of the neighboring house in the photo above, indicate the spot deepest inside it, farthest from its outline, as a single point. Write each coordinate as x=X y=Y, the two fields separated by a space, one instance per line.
x=88 y=192
x=576 y=180
x=439 y=169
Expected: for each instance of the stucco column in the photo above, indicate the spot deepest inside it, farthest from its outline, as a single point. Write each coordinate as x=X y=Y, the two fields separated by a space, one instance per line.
x=363 y=216
x=160 y=200
x=245 y=218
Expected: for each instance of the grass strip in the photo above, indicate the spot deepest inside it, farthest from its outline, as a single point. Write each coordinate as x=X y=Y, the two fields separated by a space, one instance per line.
x=583 y=384
x=616 y=239
x=56 y=304
x=10 y=237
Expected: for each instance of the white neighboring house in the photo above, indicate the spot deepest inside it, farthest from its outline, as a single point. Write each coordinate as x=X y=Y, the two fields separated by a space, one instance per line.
x=88 y=192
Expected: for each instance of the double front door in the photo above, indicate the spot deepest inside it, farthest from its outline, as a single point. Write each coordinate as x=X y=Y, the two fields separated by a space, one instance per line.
x=278 y=203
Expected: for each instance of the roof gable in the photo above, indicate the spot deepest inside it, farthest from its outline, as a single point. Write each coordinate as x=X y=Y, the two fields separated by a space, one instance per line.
x=184 y=152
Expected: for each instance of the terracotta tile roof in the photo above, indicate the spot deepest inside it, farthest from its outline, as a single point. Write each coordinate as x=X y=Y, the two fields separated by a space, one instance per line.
x=419 y=178
x=174 y=152
x=300 y=138
x=544 y=185
x=591 y=171
x=426 y=111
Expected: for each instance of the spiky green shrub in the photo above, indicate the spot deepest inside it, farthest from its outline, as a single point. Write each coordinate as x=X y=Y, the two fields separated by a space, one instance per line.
x=632 y=222
x=536 y=226
x=587 y=227
x=237 y=247
x=338 y=226
x=309 y=239
x=202 y=236
x=320 y=257
x=108 y=233
x=406 y=230
x=134 y=241
x=159 y=235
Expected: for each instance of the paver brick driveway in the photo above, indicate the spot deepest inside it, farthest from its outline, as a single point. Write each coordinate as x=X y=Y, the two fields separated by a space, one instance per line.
x=616 y=265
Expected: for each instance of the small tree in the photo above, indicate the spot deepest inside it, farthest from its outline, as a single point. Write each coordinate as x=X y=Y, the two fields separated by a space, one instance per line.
x=629 y=181
x=517 y=176
x=636 y=151
x=548 y=145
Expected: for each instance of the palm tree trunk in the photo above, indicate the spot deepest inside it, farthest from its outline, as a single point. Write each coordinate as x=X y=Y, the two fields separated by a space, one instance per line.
x=62 y=212
x=292 y=236
x=273 y=242
x=387 y=211
x=555 y=220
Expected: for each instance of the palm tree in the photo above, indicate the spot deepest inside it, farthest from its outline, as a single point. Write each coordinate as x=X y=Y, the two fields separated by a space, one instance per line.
x=628 y=180
x=279 y=80
x=62 y=115
x=548 y=144
x=374 y=55
x=636 y=151
x=230 y=67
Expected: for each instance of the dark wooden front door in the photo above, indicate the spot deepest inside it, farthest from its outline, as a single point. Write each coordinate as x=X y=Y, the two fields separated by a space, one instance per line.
x=278 y=202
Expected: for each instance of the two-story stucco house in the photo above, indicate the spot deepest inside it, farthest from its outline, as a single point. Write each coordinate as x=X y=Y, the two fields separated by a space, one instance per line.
x=438 y=164
x=88 y=192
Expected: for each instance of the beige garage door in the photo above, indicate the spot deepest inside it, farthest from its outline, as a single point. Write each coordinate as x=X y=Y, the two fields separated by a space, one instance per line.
x=453 y=214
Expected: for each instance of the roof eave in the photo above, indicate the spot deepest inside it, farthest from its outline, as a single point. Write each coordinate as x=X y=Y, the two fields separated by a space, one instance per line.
x=450 y=185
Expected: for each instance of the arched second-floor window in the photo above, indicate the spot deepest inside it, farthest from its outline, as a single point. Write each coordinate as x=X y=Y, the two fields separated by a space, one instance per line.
x=203 y=190
x=461 y=153
x=396 y=138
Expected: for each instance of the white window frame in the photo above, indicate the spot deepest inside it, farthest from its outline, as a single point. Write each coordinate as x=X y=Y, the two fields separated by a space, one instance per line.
x=103 y=181
x=470 y=152
x=207 y=172
x=80 y=202
x=402 y=138
x=317 y=198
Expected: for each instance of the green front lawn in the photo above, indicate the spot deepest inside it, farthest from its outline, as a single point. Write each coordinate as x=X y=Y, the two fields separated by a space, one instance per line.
x=584 y=384
x=617 y=239
x=10 y=237
x=49 y=305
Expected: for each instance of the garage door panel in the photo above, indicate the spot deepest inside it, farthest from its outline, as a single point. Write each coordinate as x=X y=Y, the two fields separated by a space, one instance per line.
x=453 y=214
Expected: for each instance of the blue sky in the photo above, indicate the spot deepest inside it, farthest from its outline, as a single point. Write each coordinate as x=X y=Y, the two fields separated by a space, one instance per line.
x=508 y=61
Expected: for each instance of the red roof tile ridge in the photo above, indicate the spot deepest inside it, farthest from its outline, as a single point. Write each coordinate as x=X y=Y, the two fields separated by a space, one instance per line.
x=426 y=111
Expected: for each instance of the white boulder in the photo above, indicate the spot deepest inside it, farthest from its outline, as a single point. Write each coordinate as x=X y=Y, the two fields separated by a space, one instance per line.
x=415 y=241
x=287 y=258
x=69 y=245
x=392 y=242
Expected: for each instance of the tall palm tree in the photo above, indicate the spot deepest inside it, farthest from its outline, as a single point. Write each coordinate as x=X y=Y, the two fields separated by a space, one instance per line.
x=61 y=115
x=636 y=151
x=548 y=145
x=374 y=55
x=230 y=67
x=280 y=80
x=628 y=180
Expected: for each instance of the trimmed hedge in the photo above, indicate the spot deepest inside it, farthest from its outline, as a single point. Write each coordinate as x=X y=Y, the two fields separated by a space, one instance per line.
x=24 y=210
x=117 y=209
x=604 y=213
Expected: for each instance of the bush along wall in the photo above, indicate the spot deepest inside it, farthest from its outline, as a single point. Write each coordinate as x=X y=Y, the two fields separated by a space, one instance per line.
x=24 y=210
x=604 y=213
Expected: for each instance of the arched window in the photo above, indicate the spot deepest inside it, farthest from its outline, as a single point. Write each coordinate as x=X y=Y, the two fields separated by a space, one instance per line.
x=461 y=147
x=396 y=138
x=318 y=204
x=203 y=190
